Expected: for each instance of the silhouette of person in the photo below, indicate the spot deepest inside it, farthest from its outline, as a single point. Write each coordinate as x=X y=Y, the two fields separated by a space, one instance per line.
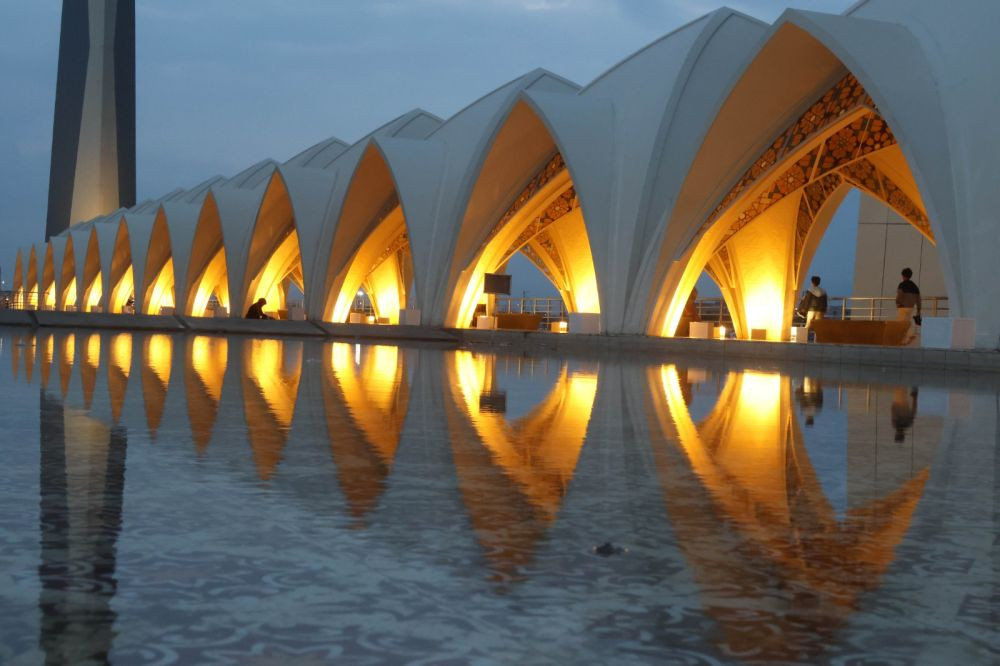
x=810 y=399
x=903 y=411
x=256 y=311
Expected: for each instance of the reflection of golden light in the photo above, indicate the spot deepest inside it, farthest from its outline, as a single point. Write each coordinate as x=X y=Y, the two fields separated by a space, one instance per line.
x=765 y=510
x=209 y=358
x=119 y=368
x=271 y=372
x=158 y=357
x=48 y=355
x=514 y=474
x=93 y=350
x=541 y=463
x=366 y=397
x=67 y=359
x=204 y=375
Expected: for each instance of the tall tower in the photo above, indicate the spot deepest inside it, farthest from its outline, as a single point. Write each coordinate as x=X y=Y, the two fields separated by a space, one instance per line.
x=93 y=133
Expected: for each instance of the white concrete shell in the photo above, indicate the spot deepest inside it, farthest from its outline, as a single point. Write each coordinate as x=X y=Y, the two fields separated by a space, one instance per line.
x=646 y=165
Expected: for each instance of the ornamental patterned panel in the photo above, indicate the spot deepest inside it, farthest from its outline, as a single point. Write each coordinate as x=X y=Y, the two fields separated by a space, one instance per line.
x=400 y=242
x=878 y=136
x=536 y=259
x=863 y=174
x=818 y=191
x=803 y=223
x=844 y=97
x=560 y=206
x=552 y=168
x=904 y=205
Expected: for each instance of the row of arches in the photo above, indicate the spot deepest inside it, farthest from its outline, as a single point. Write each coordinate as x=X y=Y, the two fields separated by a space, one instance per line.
x=723 y=147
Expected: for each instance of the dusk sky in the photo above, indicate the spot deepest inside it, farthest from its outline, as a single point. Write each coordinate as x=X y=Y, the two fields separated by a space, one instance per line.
x=222 y=84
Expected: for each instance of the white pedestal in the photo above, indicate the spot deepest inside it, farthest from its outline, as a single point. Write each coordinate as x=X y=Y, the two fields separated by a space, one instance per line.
x=96 y=308
x=948 y=332
x=587 y=323
x=356 y=318
x=799 y=334
x=409 y=317
x=484 y=322
x=701 y=329
x=296 y=311
x=220 y=311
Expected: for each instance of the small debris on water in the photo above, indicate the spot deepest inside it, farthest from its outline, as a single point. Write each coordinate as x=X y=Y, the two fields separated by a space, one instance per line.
x=607 y=549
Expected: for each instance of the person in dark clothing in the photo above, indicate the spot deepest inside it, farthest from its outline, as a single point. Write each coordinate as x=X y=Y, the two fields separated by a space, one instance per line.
x=813 y=305
x=908 y=300
x=256 y=310
x=904 y=411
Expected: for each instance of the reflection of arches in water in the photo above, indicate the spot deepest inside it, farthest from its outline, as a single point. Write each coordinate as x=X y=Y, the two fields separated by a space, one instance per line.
x=119 y=367
x=91 y=358
x=271 y=372
x=157 y=356
x=750 y=515
x=513 y=475
x=366 y=395
x=67 y=359
x=23 y=348
x=204 y=374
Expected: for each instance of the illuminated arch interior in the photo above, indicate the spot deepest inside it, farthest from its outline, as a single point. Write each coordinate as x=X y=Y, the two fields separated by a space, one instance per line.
x=760 y=238
x=31 y=280
x=371 y=247
x=122 y=277
x=92 y=285
x=521 y=200
x=274 y=263
x=48 y=281
x=545 y=223
x=159 y=272
x=66 y=298
x=208 y=274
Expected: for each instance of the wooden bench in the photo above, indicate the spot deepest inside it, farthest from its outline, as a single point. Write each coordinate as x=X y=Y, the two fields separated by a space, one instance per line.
x=519 y=322
x=856 y=332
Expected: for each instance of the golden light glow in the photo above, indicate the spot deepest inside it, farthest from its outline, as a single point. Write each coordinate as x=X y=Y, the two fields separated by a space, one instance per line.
x=284 y=262
x=204 y=375
x=384 y=277
x=749 y=455
x=213 y=280
x=541 y=463
x=121 y=292
x=161 y=289
x=576 y=279
x=92 y=296
x=271 y=373
x=69 y=295
x=158 y=352
x=366 y=395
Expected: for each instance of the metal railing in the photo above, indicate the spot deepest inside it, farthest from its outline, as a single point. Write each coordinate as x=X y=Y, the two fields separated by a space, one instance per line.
x=867 y=308
x=551 y=309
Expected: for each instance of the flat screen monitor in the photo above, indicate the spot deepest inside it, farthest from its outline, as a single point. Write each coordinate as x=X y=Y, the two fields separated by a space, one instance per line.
x=494 y=283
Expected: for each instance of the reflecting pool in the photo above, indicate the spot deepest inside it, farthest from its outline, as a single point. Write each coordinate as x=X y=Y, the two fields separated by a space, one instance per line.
x=199 y=499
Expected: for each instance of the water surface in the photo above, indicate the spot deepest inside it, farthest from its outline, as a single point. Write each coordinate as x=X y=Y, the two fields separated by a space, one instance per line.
x=199 y=499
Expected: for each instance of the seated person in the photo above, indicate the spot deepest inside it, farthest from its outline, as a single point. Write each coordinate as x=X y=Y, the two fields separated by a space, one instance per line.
x=256 y=311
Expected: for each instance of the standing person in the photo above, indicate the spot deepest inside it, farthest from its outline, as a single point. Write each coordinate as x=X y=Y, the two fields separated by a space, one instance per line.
x=813 y=305
x=908 y=299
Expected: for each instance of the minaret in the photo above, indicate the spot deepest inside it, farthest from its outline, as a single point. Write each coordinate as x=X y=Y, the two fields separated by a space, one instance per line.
x=93 y=133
